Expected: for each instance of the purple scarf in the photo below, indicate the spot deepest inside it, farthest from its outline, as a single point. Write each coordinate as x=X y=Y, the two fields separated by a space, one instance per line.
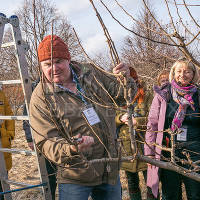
x=182 y=96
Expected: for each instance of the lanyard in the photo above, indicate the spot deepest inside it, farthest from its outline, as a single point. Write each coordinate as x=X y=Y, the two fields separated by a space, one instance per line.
x=78 y=87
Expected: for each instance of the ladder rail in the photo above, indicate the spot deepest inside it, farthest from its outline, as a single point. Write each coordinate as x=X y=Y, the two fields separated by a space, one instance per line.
x=21 y=59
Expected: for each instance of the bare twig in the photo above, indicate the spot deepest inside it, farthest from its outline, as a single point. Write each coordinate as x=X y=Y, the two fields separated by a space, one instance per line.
x=111 y=44
x=137 y=21
x=181 y=46
x=180 y=19
x=169 y=13
x=35 y=36
x=91 y=61
x=134 y=31
x=190 y=14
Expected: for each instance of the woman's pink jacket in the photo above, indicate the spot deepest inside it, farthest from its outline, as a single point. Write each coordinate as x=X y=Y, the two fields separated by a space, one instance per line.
x=154 y=134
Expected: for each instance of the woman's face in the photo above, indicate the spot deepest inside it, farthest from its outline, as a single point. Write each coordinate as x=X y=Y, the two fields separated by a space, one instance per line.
x=164 y=79
x=183 y=74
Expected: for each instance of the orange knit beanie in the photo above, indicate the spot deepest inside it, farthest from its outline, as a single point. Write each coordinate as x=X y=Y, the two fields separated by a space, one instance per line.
x=60 y=49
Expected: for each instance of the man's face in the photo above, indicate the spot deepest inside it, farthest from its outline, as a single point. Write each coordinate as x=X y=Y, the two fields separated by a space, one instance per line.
x=58 y=73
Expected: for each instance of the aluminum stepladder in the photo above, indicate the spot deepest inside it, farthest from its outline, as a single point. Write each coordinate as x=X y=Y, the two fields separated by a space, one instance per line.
x=20 y=49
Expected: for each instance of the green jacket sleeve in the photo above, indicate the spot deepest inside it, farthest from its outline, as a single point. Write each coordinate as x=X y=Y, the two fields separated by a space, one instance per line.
x=117 y=118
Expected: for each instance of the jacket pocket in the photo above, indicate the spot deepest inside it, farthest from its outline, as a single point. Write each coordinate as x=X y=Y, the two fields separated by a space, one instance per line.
x=81 y=172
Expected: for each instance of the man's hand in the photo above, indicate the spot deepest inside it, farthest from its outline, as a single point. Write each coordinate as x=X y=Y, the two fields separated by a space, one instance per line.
x=85 y=142
x=121 y=68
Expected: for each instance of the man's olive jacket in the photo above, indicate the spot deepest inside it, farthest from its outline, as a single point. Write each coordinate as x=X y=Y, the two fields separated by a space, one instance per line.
x=57 y=116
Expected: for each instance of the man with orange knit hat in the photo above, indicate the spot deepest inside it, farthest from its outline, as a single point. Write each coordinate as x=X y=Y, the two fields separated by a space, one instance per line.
x=71 y=124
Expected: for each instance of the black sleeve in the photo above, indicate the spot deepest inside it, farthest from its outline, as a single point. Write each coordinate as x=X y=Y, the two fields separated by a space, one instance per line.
x=26 y=126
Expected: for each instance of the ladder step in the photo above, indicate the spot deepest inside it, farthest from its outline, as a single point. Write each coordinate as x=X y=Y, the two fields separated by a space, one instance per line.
x=10 y=82
x=18 y=151
x=11 y=182
x=7 y=44
x=14 y=117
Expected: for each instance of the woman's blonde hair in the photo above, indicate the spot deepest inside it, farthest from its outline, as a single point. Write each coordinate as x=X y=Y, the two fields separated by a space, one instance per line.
x=184 y=60
x=162 y=73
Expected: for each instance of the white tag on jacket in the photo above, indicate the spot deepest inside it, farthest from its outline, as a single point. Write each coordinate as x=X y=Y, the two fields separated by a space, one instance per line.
x=1 y=120
x=91 y=116
x=183 y=135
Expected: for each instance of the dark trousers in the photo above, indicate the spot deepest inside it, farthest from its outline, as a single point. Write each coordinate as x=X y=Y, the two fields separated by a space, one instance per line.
x=1 y=190
x=133 y=182
x=51 y=170
x=133 y=186
x=171 y=186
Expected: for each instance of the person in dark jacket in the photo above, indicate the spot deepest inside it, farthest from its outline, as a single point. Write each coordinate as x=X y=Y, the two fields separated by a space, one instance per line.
x=51 y=168
x=141 y=104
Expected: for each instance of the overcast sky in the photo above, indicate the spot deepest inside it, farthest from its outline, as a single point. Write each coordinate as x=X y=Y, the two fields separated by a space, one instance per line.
x=82 y=17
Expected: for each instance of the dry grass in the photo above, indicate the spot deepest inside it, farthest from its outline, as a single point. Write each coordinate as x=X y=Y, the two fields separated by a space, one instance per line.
x=24 y=168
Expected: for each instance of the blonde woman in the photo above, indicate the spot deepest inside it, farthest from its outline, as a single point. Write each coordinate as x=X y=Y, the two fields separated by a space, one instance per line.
x=175 y=106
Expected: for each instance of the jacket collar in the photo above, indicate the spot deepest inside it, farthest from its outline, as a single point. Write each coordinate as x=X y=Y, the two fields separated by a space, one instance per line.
x=163 y=91
x=49 y=89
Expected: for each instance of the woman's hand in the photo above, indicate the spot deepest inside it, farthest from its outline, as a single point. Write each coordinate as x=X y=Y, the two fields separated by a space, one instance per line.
x=148 y=164
x=124 y=119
